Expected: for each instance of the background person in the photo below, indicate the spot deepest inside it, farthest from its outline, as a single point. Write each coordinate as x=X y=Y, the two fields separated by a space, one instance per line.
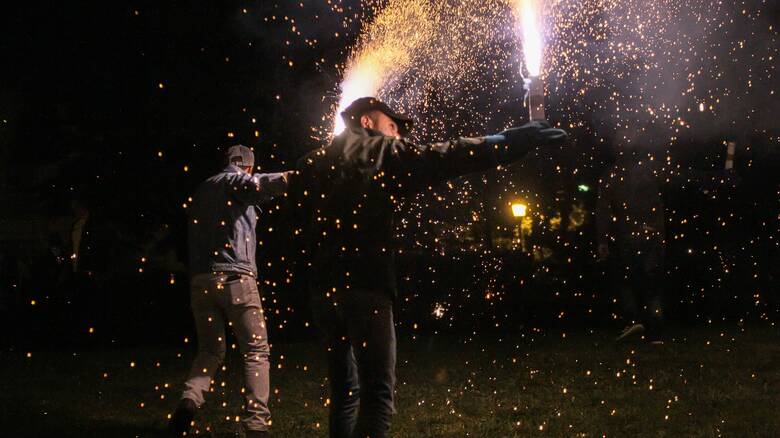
x=222 y=243
x=631 y=234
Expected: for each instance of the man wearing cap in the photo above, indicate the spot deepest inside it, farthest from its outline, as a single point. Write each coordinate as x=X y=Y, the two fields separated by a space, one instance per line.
x=348 y=191
x=222 y=242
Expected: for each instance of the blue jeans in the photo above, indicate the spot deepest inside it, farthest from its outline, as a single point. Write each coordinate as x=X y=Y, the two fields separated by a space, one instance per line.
x=360 y=337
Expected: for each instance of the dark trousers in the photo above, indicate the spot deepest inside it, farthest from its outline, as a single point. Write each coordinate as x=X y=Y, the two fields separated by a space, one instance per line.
x=638 y=275
x=360 y=338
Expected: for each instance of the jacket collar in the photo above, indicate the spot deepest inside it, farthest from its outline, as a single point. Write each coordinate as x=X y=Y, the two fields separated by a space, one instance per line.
x=364 y=132
x=230 y=168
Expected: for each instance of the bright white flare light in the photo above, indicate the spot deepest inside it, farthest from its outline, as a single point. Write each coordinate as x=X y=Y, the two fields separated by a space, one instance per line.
x=528 y=13
x=360 y=81
x=385 y=50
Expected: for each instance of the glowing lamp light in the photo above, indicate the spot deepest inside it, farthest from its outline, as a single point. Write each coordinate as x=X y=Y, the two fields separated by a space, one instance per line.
x=519 y=209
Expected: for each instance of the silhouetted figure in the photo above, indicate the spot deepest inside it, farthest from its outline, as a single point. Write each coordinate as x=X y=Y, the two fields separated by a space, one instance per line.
x=631 y=234
x=223 y=286
x=348 y=193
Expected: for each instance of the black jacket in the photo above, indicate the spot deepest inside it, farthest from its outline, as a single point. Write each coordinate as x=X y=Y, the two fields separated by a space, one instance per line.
x=348 y=192
x=222 y=219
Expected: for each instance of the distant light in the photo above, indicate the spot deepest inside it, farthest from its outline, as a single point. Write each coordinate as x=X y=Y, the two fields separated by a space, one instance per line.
x=438 y=311
x=583 y=188
x=519 y=210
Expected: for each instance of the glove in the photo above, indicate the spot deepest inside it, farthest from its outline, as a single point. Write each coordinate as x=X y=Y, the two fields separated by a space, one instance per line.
x=518 y=141
x=534 y=133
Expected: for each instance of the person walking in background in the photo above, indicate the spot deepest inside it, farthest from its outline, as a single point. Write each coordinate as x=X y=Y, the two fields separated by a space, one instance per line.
x=223 y=286
x=631 y=235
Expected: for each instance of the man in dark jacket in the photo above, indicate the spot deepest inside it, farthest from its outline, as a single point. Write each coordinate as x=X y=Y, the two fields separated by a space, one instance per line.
x=222 y=240
x=349 y=191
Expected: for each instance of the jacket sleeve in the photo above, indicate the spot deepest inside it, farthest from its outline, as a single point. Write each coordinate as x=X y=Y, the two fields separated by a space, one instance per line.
x=258 y=188
x=403 y=166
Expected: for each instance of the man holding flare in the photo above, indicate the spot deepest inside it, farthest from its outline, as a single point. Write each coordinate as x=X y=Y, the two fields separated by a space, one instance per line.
x=348 y=191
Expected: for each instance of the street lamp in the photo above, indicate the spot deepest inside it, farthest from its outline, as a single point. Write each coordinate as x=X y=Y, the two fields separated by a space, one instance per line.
x=519 y=209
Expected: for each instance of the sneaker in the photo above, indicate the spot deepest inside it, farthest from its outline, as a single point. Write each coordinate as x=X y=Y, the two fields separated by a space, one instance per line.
x=181 y=421
x=631 y=331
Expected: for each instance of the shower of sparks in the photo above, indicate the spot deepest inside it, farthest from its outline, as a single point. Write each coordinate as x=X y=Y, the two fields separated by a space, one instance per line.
x=617 y=68
x=618 y=72
x=384 y=52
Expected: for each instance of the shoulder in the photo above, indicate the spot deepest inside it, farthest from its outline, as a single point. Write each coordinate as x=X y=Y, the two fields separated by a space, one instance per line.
x=362 y=143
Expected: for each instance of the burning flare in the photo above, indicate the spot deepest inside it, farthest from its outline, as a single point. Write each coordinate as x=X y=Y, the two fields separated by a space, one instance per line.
x=385 y=51
x=363 y=79
x=527 y=13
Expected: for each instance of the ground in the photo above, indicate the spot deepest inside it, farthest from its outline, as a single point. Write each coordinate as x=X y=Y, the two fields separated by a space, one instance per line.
x=704 y=381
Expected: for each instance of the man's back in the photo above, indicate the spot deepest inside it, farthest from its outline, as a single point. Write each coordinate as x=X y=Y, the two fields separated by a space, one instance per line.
x=222 y=220
x=223 y=287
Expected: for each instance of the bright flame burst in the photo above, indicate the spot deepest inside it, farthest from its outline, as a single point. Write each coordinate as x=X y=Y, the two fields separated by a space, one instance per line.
x=404 y=52
x=384 y=52
x=363 y=79
x=527 y=13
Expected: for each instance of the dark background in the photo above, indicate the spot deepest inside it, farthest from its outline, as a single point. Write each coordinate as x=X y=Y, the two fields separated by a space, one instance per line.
x=120 y=109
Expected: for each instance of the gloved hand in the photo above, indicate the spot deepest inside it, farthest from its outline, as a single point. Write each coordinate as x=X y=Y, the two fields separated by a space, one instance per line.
x=518 y=141
x=534 y=133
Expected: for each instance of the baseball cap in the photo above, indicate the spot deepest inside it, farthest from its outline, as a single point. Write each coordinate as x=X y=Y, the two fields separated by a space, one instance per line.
x=351 y=114
x=241 y=156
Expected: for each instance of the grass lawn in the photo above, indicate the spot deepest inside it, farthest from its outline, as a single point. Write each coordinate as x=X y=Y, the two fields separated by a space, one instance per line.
x=705 y=381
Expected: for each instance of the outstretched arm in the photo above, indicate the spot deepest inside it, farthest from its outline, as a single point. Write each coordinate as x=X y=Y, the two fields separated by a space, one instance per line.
x=403 y=166
x=260 y=187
